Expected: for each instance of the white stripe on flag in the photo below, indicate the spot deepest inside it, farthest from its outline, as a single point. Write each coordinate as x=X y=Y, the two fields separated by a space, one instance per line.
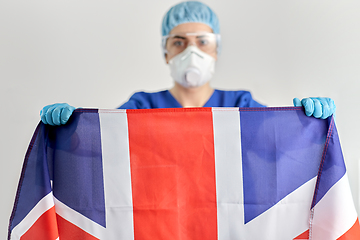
x=117 y=178
x=287 y=219
x=78 y=219
x=40 y=208
x=228 y=169
x=335 y=213
x=291 y=214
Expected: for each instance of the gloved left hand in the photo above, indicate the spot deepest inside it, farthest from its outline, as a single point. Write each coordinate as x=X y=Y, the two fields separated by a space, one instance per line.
x=56 y=114
x=318 y=107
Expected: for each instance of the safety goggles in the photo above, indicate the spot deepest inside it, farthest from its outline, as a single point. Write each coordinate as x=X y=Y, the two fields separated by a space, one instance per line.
x=174 y=44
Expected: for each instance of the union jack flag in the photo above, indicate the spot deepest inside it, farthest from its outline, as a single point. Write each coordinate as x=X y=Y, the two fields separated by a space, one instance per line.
x=186 y=173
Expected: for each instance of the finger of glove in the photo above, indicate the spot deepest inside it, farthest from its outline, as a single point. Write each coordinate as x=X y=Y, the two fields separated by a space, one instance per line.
x=66 y=114
x=43 y=116
x=297 y=102
x=308 y=105
x=43 y=113
x=331 y=104
x=318 y=108
x=56 y=115
x=326 y=109
x=49 y=115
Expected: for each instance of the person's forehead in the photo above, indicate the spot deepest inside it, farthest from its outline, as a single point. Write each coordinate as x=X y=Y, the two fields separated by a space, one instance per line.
x=191 y=28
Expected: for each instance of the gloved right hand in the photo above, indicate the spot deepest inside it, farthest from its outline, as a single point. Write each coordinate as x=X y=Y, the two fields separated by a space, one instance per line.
x=319 y=107
x=56 y=114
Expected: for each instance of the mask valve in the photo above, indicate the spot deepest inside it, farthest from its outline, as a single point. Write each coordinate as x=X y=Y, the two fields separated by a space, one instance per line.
x=192 y=67
x=192 y=76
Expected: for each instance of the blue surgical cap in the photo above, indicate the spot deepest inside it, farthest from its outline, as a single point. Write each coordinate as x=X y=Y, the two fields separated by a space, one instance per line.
x=190 y=11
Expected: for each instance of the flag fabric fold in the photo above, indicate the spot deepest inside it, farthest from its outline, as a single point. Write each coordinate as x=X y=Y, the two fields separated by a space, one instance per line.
x=186 y=173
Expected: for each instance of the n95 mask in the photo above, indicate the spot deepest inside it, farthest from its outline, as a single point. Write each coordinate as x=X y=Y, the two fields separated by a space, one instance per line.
x=192 y=67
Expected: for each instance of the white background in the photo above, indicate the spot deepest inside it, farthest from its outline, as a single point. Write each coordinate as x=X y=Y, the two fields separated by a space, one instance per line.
x=97 y=53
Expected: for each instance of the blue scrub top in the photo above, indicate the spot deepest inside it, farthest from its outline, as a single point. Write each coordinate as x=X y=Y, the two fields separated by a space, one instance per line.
x=164 y=99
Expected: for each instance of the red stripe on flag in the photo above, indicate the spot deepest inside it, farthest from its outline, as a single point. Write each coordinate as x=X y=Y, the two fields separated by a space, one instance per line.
x=173 y=174
x=304 y=235
x=45 y=227
x=69 y=231
x=353 y=233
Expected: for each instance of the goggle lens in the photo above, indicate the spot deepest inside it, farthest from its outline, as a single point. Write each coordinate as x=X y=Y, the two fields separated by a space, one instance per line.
x=176 y=43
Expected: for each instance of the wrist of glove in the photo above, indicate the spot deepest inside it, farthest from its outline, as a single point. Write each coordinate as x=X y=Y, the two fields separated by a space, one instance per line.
x=56 y=114
x=317 y=107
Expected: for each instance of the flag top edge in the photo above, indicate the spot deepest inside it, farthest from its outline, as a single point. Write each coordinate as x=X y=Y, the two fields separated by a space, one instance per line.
x=194 y=109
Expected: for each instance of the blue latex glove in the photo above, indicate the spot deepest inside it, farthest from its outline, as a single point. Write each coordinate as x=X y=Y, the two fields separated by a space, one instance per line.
x=318 y=107
x=56 y=114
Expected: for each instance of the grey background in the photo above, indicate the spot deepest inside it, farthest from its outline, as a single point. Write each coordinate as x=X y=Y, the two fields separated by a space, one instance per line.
x=97 y=53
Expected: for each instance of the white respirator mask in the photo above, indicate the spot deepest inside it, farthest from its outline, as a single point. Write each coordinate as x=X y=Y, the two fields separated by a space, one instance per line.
x=192 y=67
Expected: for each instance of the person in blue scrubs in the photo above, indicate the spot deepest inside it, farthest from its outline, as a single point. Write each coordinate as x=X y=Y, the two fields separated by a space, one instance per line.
x=164 y=99
x=191 y=43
